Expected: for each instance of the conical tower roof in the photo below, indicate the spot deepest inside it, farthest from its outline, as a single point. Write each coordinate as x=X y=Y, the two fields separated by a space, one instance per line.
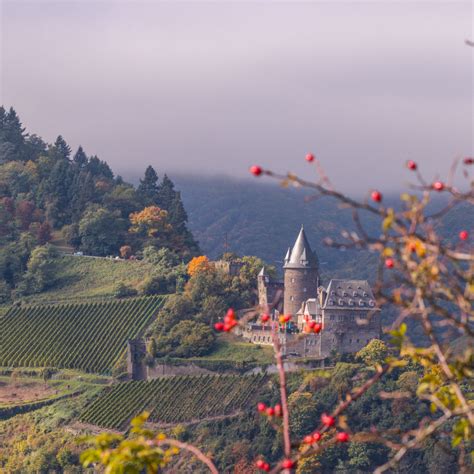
x=301 y=255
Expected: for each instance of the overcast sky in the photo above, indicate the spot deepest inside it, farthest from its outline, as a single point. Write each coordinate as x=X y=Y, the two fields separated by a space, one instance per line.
x=213 y=87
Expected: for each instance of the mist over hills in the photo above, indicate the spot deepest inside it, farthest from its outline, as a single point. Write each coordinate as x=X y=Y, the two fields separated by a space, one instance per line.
x=263 y=219
x=259 y=217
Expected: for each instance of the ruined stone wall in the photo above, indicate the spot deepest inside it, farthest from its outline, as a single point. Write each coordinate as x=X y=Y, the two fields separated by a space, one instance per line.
x=136 y=352
x=270 y=292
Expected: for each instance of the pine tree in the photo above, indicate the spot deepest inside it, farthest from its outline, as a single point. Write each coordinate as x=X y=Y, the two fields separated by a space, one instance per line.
x=80 y=158
x=12 y=136
x=148 y=188
x=61 y=150
x=166 y=193
x=99 y=168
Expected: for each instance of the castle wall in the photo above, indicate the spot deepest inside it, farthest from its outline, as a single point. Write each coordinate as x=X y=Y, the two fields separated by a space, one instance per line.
x=300 y=284
x=269 y=292
x=350 y=331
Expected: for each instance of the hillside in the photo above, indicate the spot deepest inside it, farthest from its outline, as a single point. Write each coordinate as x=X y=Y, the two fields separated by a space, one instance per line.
x=259 y=217
x=198 y=398
x=88 y=277
x=85 y=336
x=263 y=219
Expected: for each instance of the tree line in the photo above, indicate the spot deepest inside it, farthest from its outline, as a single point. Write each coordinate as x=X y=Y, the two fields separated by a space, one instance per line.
x=47 y=193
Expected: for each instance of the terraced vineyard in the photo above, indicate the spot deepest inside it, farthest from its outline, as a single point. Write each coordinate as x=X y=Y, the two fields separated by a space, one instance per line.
x=173 y=399
x=84 y=336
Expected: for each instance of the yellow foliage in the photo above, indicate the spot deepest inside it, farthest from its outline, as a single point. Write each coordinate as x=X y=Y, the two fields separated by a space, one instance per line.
x=152 y=220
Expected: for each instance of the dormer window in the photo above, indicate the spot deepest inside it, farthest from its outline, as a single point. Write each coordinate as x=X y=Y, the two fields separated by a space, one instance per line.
x=371 y=303
x=331 y=302
x=354 y=293
x=341 y=302
x=361 y=303
x=333 y=293
x=344 y=293
x=365 y=294
x=351 y=302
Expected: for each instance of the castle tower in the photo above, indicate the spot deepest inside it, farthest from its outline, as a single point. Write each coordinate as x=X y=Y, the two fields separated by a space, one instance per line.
x=263 y=280
x=301 y=274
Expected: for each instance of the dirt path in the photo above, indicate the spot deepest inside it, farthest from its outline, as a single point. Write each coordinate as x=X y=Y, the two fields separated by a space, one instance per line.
x=20 y=392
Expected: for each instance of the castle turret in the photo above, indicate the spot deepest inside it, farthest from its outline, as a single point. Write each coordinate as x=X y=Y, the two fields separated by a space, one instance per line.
x=301 y=271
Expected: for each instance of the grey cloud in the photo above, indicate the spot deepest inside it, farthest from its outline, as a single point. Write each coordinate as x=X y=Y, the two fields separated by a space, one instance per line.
x=213 y=88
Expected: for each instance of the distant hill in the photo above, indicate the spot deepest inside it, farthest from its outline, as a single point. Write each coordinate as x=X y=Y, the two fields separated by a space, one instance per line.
x=261 y=218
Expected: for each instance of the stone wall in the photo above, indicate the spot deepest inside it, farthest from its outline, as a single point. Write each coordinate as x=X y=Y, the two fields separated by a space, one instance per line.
x=136 y=352
x=163 y=370
x=350 y=331
x=300 y=284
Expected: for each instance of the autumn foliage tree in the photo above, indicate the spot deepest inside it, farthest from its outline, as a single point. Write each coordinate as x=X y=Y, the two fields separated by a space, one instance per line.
x=125 y=251
x=152 y=221
x=198 y=264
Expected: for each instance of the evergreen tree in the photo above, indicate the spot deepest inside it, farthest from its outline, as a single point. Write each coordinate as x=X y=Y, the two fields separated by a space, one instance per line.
x=166 y=193
x=99 y=168
x=61 y=150
x=34 y=147
x=12 y=136
x=58 y=187
x=80 y=158
x=81 y=194
x=148 y=188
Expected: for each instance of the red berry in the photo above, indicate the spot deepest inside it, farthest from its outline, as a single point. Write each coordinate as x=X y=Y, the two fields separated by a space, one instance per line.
x=265 y=318
x=260 y=463
x=464 y=235
x=317 y=328
x=278 y=410
x=266 y=467
x=228 y=327
x=309 y=157
x=219 y=326
x=438 y=185
x=288 y=464
x=327 y=420
x=316 y=436
x=229 y=318
x=468 y=161
x=389 y=263
x=256 y=170
x=261 y=407
x=287 y=317
x=270 y=411
x=308 y=439
x=376 y=196
x=311 y=324
x=411 y=165
x=342 y=437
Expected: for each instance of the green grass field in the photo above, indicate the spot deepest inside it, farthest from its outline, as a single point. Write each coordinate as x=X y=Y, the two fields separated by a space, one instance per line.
x=229 y=347
x=86 y=277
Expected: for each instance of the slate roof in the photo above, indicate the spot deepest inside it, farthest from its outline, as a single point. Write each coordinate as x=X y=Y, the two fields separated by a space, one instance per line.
x=350 y=295
x=301 y=255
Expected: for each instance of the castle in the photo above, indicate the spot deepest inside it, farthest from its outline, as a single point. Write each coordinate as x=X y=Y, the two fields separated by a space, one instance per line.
x=345 y=308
